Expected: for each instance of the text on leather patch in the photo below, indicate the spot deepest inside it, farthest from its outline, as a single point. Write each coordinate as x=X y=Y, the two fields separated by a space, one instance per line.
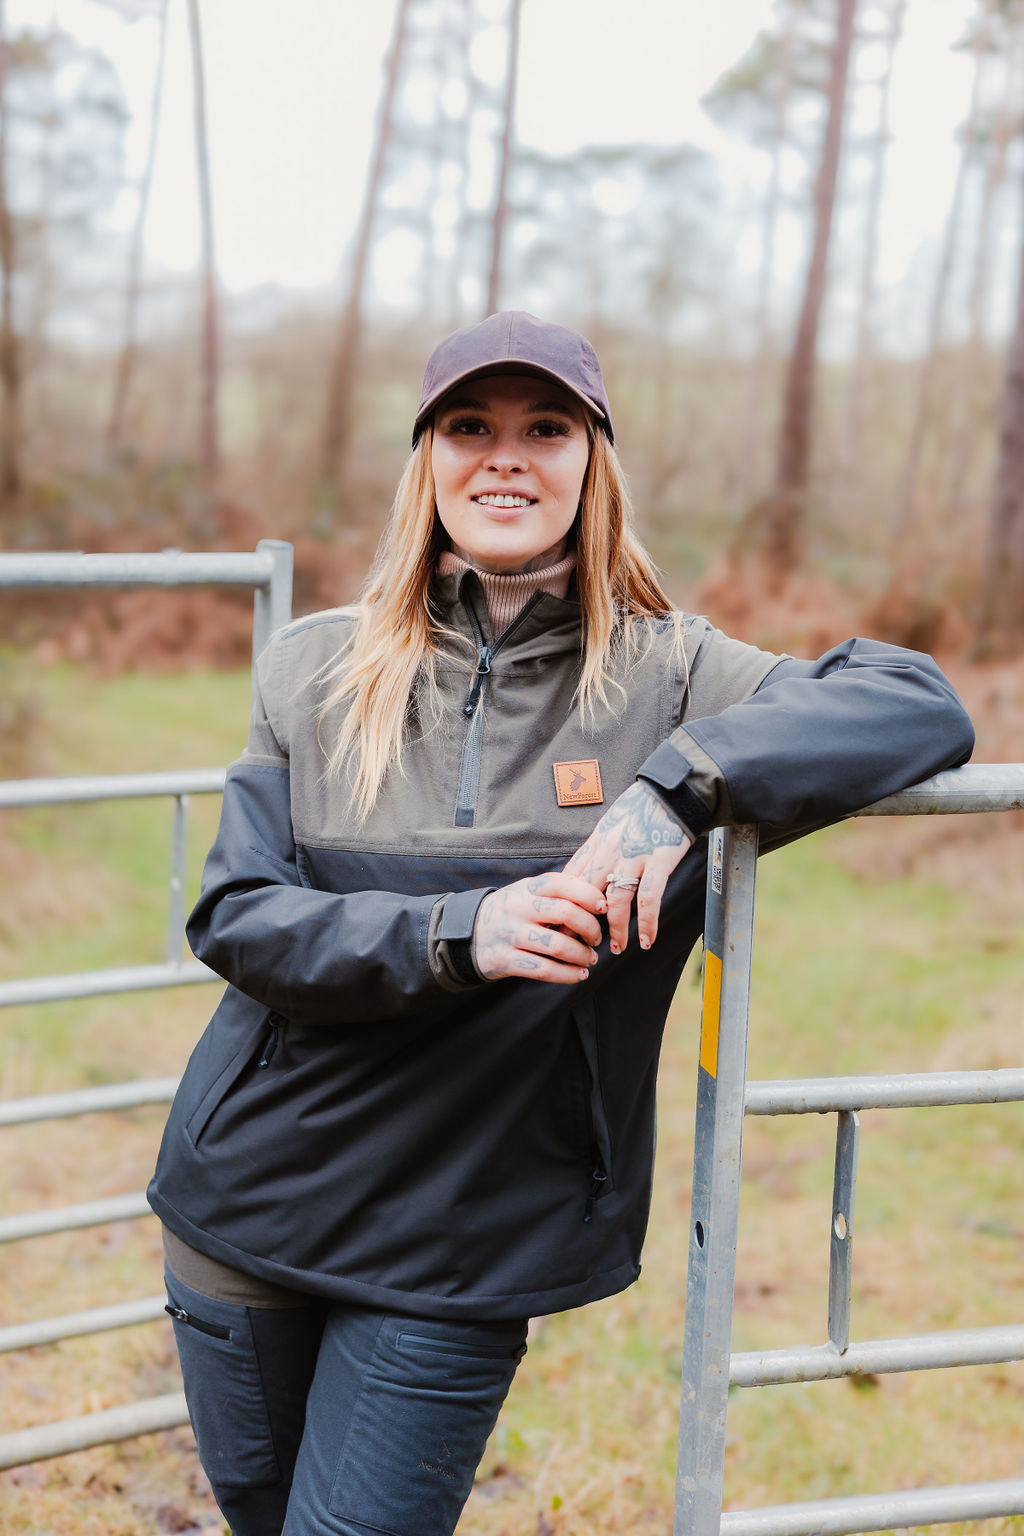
x=579 y=783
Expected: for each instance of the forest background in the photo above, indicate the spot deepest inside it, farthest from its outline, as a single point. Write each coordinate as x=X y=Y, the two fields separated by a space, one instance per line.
x=794 y=229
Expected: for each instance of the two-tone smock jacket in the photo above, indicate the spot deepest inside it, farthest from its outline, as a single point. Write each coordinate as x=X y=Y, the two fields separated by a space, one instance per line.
x=363 y=1122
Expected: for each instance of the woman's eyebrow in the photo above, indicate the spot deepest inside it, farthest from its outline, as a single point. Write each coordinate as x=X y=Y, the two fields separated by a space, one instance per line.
x=549 y=405
x=464 y=403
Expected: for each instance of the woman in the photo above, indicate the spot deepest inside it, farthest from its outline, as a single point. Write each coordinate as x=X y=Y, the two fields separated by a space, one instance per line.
x=424 y=1110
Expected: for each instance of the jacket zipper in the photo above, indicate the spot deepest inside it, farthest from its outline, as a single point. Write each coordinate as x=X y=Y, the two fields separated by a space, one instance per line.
x=272 y=1041
x=473 y=709
x=597 y=1181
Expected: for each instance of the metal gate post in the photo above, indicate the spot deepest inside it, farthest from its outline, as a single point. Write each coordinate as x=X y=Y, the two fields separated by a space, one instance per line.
x=718 y=1145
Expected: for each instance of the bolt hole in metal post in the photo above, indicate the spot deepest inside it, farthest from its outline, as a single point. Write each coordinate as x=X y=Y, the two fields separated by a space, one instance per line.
x=839 y=1225
x=698 y=1233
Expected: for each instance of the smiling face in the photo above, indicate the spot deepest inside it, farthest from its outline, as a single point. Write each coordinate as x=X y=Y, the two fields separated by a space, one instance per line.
x=509 y=454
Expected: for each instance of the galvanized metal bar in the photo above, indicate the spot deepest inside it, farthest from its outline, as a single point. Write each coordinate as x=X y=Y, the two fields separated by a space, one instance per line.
x=125 y=978
x=880 y=1511
x=170 y=568
x=87 y=1101
x=110 y=786
x=68 y=1218
x=272 y=603
x=732 y=863
x=176 y=904
x=883 y=1090
x=879 y=1357
x=75 y=1325
x=976 y=787
x=840 y=1260
x=112 y=1424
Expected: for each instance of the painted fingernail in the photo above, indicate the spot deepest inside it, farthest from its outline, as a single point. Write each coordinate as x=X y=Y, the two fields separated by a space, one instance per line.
x=614 y=947
x=645 y=942
x=602 y=906
x=593 y=957
x=584 y=975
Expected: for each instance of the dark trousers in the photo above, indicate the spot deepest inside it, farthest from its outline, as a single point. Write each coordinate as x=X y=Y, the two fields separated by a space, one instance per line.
x=328 y=1420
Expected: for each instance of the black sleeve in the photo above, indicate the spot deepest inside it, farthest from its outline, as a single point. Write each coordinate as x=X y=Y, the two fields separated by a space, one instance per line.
x=815 y=741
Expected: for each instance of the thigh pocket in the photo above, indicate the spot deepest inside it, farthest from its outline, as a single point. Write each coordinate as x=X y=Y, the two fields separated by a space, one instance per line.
x=429 y=1398
x=223 y=1389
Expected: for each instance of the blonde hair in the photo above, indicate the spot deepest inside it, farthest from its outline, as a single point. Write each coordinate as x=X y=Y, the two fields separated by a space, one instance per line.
x=398 y=630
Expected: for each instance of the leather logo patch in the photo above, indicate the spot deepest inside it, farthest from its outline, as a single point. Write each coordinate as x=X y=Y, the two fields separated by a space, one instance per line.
x=579 y=783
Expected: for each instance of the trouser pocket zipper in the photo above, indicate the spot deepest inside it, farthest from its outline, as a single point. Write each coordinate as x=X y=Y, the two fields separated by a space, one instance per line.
x=214 y=1329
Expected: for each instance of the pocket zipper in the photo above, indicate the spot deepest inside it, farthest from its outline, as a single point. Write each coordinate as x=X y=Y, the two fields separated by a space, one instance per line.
x=267 y=1055
x=214 y=1329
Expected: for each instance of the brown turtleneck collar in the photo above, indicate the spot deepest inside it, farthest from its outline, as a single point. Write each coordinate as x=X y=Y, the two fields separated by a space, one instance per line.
x=507 y=596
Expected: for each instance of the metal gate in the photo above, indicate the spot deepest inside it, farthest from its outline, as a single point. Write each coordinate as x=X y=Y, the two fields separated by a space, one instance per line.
x=724 y=1096
x=268 y=572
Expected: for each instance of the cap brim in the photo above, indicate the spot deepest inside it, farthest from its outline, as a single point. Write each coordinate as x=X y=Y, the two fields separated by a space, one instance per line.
x=503 y=365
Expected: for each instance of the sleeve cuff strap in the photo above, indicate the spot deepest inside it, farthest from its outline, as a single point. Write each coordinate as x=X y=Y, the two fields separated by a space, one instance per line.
x=456 y=931
x=667 y=770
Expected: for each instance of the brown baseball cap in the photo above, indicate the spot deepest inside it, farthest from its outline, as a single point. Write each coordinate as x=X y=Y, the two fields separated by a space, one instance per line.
x=515 y=342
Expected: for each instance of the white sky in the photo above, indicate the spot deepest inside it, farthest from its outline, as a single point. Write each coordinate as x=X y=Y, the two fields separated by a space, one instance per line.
x=293 y=90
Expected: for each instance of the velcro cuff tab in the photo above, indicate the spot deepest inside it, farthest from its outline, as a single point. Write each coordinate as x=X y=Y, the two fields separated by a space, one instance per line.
x=459 y=914
x=667 y=770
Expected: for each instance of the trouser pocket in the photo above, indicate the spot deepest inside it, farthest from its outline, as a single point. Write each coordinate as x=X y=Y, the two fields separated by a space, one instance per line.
x=223 y=1388
x=428 y=1399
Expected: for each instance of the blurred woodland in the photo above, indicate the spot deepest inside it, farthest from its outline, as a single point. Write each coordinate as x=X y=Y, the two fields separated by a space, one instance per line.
x=780 y=489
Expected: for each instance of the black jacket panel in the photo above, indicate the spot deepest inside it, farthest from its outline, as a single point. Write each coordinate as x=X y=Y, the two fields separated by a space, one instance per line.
x=357 y=1120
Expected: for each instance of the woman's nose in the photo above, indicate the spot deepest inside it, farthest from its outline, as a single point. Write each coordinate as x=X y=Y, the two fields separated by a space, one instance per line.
x=508 y=454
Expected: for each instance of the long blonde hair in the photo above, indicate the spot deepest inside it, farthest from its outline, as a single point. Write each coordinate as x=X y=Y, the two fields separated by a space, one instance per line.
x=399 y=630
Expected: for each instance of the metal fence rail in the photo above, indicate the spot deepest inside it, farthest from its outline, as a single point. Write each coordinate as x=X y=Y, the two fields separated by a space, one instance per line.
x=268 y=572
x=724 y=1097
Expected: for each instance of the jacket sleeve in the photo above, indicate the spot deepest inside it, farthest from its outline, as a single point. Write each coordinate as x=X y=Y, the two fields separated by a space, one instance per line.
x=314 y=956
x=814 y=740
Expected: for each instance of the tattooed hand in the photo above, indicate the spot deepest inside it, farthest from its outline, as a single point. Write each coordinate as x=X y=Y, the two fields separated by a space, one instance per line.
x=545 y=928
x=637 y=838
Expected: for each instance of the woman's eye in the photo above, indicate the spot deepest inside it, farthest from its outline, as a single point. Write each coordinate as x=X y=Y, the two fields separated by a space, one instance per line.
x=550 y=429
x=466 y=426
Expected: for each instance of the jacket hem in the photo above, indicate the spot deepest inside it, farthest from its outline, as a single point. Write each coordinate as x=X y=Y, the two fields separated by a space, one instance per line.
x=483 y=1305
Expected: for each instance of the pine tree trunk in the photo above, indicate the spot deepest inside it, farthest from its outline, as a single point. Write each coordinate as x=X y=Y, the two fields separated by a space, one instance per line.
x=784 y=521
x=1001 y=598
x=337 y=434
x=752 y=465
x=907 y=506
x=209 y=437
x=10 y=349
x=501 y=199
x=853 y=425
x=969 y=405
x=126 y=361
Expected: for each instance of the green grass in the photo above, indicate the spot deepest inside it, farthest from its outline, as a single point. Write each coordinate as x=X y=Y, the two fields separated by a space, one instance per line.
x=851 y=975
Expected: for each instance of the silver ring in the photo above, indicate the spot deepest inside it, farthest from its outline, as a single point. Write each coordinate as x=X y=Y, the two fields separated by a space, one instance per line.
x=621 y=883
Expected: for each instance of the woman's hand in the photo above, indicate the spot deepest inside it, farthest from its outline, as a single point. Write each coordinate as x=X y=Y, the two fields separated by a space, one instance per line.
x=634 y=847
x=545 y=928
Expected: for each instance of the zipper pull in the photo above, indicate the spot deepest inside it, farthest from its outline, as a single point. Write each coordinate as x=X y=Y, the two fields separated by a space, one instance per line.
x=598 y=1177
x=483 y=669
x=271 y=1045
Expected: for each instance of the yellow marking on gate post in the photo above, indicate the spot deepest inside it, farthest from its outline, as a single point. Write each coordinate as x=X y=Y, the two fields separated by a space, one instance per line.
x=710 y=1010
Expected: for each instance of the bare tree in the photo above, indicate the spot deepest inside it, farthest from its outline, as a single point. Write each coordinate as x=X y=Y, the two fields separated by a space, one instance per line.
x=10 y=351
x=928 y=378
x=501 y=197
x=781 y=516
x=999 y=134
x=208 y=429
x=1001 y=600
x=337 y=432
x=126 y=361
x=853 y=424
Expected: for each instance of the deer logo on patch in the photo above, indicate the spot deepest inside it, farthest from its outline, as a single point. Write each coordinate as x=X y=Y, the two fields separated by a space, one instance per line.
x=579 y=783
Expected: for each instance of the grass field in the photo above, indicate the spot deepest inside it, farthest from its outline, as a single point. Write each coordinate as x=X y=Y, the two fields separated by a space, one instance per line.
x=852 y=974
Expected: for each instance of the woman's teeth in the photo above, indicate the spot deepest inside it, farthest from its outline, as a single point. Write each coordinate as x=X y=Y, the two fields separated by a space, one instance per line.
x=491 y=500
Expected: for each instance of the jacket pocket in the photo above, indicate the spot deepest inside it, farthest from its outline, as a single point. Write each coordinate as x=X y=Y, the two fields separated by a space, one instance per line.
x=587 y=1026
x=260 y=1050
